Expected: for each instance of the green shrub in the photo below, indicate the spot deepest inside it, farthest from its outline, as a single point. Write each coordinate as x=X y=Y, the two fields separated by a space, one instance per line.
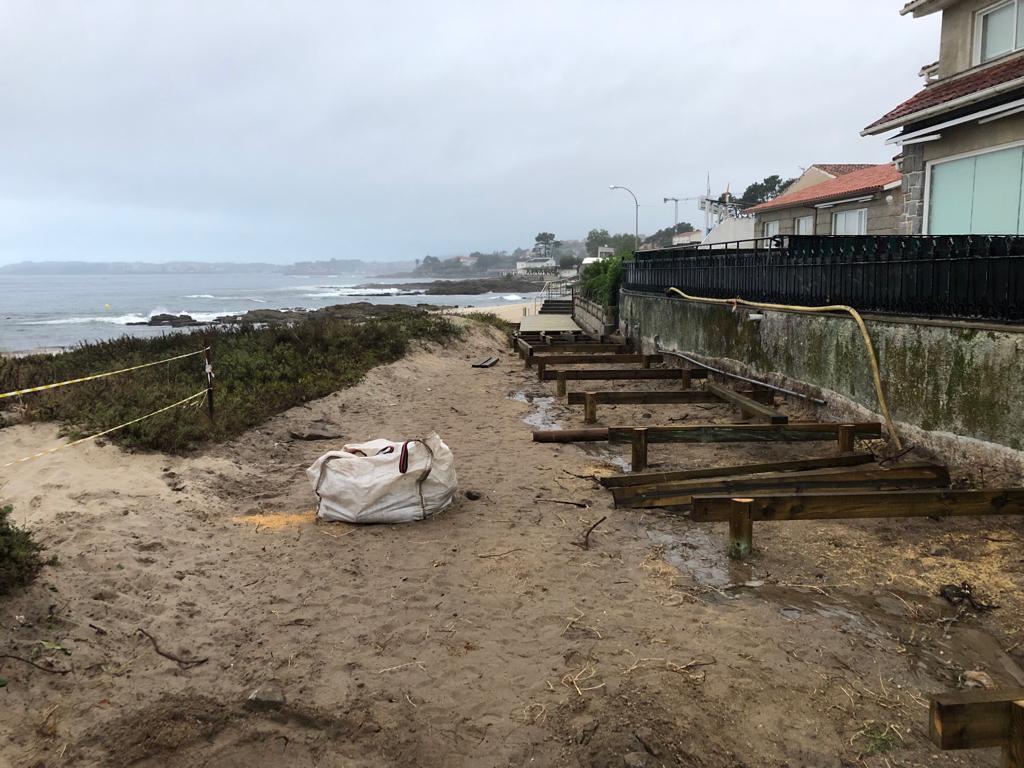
x=260 y=371
x=600 y=281
x=21 y=557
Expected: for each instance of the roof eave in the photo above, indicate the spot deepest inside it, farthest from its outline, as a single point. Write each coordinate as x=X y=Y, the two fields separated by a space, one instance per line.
x=921 y=8
x=834 y=199
x=946 y=106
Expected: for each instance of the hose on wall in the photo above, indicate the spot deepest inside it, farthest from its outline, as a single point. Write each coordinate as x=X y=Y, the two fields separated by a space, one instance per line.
x=872 y=356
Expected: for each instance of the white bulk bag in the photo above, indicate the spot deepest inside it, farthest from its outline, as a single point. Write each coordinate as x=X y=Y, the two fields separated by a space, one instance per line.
x=384 y=482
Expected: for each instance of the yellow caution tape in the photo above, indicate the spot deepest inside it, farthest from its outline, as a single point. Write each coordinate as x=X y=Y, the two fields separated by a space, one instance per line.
x=95 y=376
x=104 y=432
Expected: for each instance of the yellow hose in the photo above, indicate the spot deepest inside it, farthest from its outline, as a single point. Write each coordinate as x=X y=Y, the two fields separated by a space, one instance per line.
x=872 y=357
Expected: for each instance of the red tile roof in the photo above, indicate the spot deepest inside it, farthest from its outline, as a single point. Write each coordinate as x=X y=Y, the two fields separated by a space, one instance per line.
x=952 y=88
x=841 y=169
x=863 y=182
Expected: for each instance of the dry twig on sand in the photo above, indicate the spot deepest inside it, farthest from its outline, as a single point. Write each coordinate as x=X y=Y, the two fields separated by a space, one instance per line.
x=500 y=554
x=183 y=663
x=33 y=664
x=579 y=504
x=585 y=544
x=585 y=673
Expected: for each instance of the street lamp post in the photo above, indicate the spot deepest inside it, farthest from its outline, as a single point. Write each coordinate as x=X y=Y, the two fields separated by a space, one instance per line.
x=636 y=223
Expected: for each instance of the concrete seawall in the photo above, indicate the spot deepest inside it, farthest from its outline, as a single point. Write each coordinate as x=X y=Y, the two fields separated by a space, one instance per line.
x=954 y=388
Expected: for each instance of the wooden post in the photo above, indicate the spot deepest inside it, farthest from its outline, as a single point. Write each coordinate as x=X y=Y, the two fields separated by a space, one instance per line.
x=589 y=408
x=979 y=720
x=741 y=529
x=209 y=381
x=1013 y=751
x=647 y=361
x=541 y=365
x=847 y=434
x=684 y=378
x=638 y=461
x=561 y=384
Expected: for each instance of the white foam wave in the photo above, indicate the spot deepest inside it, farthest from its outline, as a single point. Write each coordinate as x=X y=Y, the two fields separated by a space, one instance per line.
x=513 y=297
x=341 y=292
x=226 y=298
x=203 y=317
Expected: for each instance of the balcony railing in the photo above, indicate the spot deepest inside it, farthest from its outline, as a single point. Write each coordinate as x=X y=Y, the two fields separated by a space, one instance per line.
x=977 y=277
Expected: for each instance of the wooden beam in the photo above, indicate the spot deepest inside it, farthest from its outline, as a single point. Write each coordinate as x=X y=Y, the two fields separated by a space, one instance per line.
x=741 y=529
x=747 y=405
x=879 y=504
x=658 y=397
x=570 y=435
x=608 y=374
x=980 y=719
x=543 y=361
x=649 y=478
x=681 y=493
x=735 y=433
x=578 y=348
x=639 y=450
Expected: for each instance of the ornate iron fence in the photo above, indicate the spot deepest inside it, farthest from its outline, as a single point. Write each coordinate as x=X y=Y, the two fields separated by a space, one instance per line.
x=956 y=276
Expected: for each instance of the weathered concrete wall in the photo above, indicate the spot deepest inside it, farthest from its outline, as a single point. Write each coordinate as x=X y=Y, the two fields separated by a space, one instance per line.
x=949 y=385
x=593 y=317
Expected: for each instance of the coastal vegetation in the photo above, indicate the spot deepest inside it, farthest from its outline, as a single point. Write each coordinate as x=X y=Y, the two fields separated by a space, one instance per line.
x=259 y=370
x=21 y=556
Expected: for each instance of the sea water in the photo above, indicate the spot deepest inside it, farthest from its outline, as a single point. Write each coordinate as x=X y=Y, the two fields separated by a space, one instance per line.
x=50 y=312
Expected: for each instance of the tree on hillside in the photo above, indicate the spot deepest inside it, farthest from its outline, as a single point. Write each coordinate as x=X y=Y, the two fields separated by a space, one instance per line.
x=663 y=237
x=761 y=191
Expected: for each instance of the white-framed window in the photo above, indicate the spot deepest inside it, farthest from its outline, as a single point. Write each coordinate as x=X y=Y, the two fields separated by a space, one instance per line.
x=770 y=228
x=979 y=193
x=850 y=222
x=998 y=30
x=803 y=225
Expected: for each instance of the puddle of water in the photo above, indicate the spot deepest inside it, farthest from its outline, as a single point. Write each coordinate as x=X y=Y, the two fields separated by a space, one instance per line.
x=542 y=416
x=696 y=553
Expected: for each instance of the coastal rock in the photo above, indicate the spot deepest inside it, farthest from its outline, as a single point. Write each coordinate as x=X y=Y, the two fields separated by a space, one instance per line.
x=172 y=321
x=267 y=696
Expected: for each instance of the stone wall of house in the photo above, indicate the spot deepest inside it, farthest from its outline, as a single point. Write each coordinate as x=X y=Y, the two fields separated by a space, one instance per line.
x=955 y=388
x=912 y=164
x=884 y=217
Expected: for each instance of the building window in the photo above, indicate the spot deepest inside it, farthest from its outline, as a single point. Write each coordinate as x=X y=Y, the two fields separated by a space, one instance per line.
x=850 y=222
x=998 y=30
x=770 y=228
x=982 y=194
x=803 y=225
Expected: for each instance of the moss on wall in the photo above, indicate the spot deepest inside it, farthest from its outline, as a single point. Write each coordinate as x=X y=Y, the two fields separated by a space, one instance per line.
x=949 y=378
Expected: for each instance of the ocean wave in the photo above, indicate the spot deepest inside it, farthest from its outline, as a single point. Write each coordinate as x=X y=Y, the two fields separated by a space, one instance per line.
x=225 y=298
x=202 y=317
x=341 y=292
x=513 y=297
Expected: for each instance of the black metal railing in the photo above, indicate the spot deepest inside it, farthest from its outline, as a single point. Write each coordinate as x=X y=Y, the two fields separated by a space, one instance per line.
x=958 y=276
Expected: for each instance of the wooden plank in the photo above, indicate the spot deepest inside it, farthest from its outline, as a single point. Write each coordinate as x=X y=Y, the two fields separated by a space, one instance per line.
x=747 y=405
x=911 y=475
x=740 y=433
x=597 y=359
x=487 y=362
x=658 y=397
x=577 y=348
x=878 y=504
x=649 y=478
x=972 y=719
x=570 y=435
x=602 y=374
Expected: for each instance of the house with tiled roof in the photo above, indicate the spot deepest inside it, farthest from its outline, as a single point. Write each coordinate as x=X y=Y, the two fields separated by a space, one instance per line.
x=835 y=199
x=962 y=134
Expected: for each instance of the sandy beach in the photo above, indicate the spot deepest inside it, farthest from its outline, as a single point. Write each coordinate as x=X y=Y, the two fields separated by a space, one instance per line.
x=512 y=313
x=200 y=615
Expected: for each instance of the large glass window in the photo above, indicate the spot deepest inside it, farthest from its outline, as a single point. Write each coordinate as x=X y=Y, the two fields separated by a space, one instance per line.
x=770 y=229
x=999 y=30
x=803 y=225
x=850 y=222
x=978 y=195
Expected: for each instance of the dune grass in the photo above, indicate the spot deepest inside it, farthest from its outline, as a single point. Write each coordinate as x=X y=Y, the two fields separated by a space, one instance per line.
x=260 y=371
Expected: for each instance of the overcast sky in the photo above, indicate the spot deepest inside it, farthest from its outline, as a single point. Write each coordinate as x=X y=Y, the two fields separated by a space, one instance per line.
x=384 y=130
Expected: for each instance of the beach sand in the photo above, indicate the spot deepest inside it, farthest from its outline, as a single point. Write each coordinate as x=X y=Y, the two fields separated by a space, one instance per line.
x=488 y=636
x=512 y=313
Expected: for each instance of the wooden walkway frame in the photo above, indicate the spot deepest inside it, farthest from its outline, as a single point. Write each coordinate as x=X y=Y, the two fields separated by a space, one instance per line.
x=747 y=405
x=980 y=719
x=597 y=358
x=679 y=495
x=742 y=513
x=590 y=400
x=529 y=350
x=650 y=478
x=641 y=437
x=683 y=375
